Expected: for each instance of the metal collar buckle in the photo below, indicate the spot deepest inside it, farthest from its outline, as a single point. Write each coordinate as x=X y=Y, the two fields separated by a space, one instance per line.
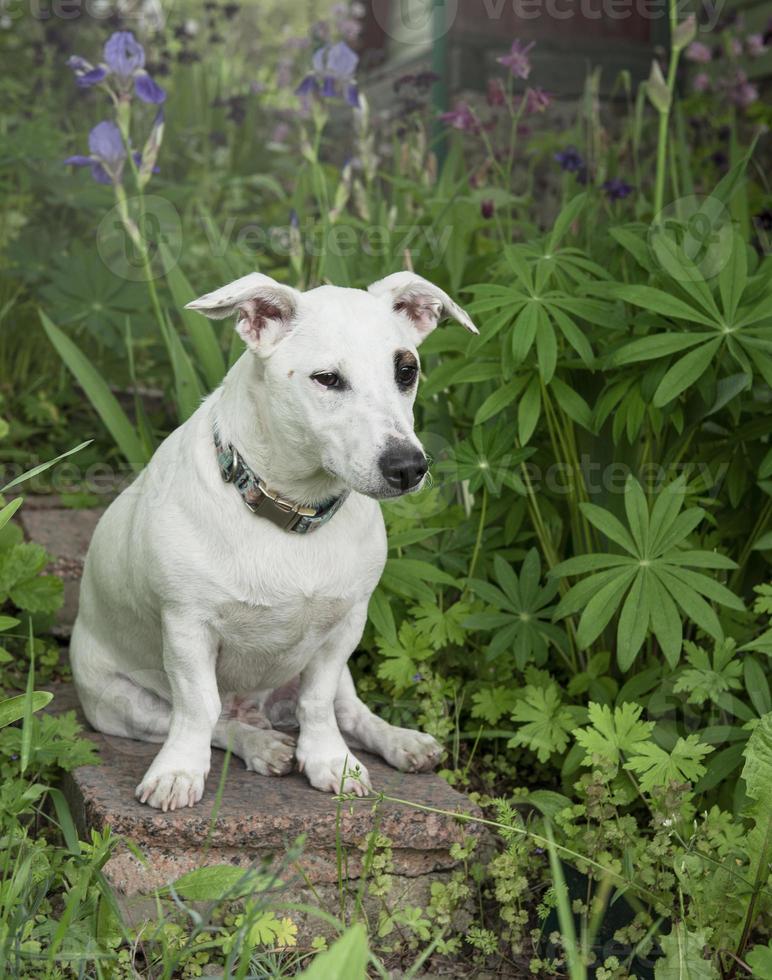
x=278 y=510
x=229 y=475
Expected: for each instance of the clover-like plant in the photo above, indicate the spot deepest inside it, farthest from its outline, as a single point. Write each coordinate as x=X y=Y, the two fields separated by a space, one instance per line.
x=650 y=580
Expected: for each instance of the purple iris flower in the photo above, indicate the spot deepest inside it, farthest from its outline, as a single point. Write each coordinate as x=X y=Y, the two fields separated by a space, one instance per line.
x=461 y=117
x=333 y=74
x=616 y=189
x=571 y=160
x=124 y=61
x=108 y=154
x=517 y=60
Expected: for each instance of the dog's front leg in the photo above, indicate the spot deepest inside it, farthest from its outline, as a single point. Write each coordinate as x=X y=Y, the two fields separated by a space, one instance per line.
x=321 y=752
x=177 y=775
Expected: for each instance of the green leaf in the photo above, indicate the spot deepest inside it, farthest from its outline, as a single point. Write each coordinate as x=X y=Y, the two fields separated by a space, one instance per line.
x=13 y=709
x=599 y=610
x=345 y=960
x=215 y=882
x=733 y=278
x=43 y=594
x=658 y=345
x=607 y=524
x=198 y=327
x=499 y=400
x=757 y=686
x=692 y=604
x=665 y=622
x=524 y=331
x=683 y=959
x=613 y=733
x=568 y=215
x=99 y=394
x=187 y=388
x=528 y=411
x=633 y=621
x=572 y=403
x=637 y=511
x=29 y=474
x=685 y=372
x=658 y=768
x=545 y=722
x=759 y=959
x=657 y=301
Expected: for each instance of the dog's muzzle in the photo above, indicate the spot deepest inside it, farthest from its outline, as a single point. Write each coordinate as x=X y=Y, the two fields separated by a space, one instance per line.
x=403 y=466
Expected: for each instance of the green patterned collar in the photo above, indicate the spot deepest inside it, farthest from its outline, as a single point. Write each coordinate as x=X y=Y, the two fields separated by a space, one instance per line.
x=267 y=503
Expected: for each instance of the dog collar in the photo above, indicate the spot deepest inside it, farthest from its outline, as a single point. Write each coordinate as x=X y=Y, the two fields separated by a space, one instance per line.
x=267 y=503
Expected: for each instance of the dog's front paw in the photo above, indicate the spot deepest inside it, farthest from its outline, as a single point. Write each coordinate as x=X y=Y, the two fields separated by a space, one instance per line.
x=171 y=789
x=341 y=774
x=411 y=751
x=269 y=752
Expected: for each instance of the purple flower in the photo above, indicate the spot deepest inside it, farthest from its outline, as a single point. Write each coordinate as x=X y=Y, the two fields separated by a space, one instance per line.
x=108 y=154
x=742 y=92
x=755 y=45
x=699 y=52
x=517 y=60
x=461 y=117
x=571 y=160
x=124 y=62
x=334 y=67
x=616 y=189
x=701 y=82
x=537 y=100
x=487 y=208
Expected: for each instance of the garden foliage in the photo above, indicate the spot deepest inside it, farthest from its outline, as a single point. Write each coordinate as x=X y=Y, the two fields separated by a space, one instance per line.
x=578 y=605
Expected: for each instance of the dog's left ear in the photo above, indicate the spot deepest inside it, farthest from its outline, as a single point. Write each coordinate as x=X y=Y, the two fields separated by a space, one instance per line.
x=265 y=307
x=424 y=303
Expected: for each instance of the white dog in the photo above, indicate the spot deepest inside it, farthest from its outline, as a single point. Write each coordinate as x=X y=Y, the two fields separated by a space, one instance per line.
x=225 y=590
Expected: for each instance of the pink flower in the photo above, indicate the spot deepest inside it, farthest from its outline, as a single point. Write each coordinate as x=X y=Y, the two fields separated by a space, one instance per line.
x=517 y=60
x=537 y=100
x=755 y=45
x=702 y=82
x=699 y=52
x=735 y=47
x=742 y=92
x=461 y=117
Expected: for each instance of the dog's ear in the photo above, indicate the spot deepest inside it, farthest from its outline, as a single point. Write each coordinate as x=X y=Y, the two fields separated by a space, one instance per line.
x=265 y=308
x=424 y=303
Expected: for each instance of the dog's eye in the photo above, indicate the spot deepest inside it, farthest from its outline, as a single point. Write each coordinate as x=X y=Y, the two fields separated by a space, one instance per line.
x=328 y=379
x=406 y=375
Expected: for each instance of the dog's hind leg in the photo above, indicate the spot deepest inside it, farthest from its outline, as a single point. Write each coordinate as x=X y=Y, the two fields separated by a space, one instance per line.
x=402 y=748
x=263 y=750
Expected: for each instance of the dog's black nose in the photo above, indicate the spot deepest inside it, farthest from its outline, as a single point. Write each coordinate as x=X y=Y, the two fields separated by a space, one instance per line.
x=403 y=466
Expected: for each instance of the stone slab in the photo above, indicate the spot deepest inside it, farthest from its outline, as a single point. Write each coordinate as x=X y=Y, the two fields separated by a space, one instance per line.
x=65 y=534
x=258 y=818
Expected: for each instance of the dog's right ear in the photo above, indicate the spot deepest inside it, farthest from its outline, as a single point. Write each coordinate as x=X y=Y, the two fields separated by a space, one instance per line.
x=265 y=309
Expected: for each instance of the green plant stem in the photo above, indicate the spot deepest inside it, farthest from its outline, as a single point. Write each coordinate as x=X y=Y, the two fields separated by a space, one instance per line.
x=664 y=116
x=478 y=539
x=495 y=824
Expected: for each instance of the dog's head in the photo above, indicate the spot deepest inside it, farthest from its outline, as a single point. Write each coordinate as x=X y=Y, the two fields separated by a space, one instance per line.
x=340 y=368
